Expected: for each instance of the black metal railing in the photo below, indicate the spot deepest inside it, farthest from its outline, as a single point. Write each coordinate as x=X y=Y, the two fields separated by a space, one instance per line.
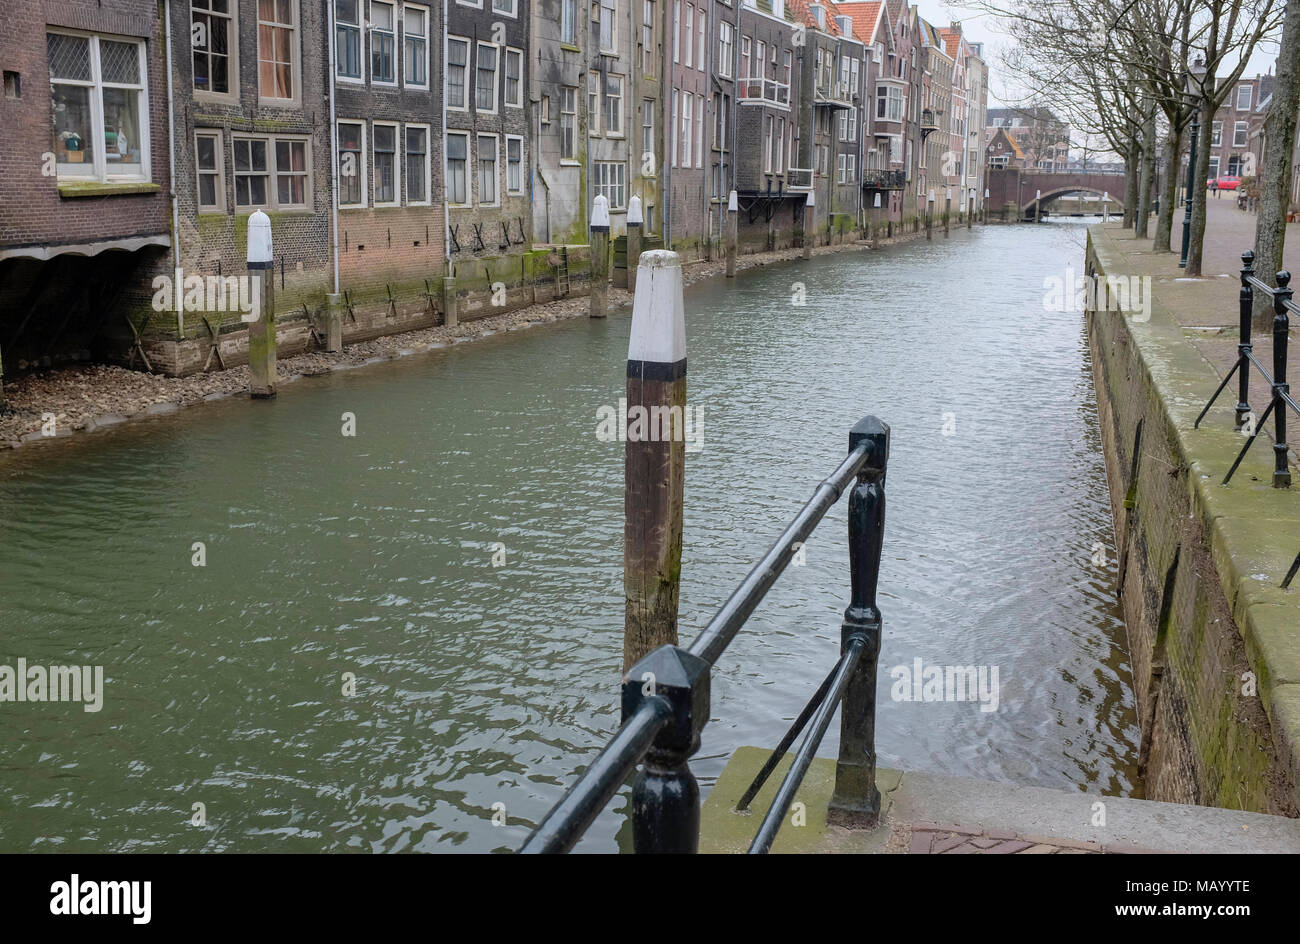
x=1279 y=390
x=665 y=696
x=884 y=179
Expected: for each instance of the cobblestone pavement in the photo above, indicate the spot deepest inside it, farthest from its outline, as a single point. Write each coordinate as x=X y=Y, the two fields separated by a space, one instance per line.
x=951 y=839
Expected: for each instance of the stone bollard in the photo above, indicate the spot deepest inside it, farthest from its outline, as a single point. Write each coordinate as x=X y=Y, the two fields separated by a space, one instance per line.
x=449 y=302
x=809 y=223
x=733 y=233
x=634 y=221
x=261 y=332
x=598 y=301
x=333 y=323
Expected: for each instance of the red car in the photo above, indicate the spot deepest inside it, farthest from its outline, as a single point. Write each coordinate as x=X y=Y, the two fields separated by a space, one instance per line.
x=1226 y=183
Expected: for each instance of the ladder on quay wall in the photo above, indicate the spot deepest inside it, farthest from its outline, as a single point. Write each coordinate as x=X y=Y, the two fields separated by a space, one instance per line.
x=562 y=274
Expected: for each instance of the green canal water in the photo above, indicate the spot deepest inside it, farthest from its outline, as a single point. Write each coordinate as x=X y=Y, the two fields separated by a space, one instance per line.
x=481 y=690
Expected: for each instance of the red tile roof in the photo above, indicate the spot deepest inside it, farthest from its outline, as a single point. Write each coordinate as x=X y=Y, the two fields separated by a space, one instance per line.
x=865 y=17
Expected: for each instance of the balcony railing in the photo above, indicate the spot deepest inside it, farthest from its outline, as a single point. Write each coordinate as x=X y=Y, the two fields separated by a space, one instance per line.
x=884 y=179
x=836 y=94
x=756 y=89
x=798 y=178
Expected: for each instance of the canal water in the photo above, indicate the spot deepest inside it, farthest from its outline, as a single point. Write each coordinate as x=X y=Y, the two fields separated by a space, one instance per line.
x=335 y=562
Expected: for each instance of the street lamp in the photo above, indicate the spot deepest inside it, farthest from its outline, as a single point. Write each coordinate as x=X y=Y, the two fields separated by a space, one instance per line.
x=1192 y=83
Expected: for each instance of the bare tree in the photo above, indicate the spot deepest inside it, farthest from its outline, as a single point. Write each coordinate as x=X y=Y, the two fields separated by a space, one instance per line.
x=1275 y=175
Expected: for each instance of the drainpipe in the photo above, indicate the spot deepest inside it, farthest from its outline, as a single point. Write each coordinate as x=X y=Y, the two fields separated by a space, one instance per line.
x=446 y=212
x=708 y=125
x=177 y=285
x=332 y=40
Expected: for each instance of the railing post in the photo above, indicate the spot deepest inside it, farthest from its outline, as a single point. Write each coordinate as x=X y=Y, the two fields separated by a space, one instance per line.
x=665 y=795
x=1281 y=325
x=1244 y=346
x=856 y=800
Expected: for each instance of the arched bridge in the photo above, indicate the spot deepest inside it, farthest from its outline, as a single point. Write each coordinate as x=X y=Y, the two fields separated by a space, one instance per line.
x=1020 y=188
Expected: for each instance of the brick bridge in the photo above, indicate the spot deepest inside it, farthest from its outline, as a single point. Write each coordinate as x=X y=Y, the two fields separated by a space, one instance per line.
x=1017 y=187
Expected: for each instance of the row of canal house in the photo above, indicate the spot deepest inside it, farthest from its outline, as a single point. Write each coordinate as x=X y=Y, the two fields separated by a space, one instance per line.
x=409 y=153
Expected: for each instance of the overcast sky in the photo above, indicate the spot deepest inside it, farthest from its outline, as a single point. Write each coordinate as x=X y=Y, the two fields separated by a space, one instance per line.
x=983 y=28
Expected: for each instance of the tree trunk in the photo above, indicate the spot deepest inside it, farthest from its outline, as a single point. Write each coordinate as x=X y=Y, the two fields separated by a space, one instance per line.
x=1169 y=193
x=1196 y=249
x=1146 y=181
x=1131 y=183
x=1275 y=176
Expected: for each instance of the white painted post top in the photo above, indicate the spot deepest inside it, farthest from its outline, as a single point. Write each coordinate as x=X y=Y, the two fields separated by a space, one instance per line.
x=634 y=211
x=812 y=199
x=259 y=239
x=600 y=213
x=877 y=198
x=1038 y=195
x=931 y=196
x=986 y=193
x=949 y=193
x=658 y=315
x=1106 y=195
x=732 y=204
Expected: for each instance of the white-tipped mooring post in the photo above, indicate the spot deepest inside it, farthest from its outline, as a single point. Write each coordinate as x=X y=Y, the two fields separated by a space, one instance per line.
x=1038 y=206
x=634 y=221
x=947 y=211
x=733 y=233
x=875 y=223
x=809 y=223
x=261 y=332
x=970 y=207
x=599 y=299
x=1105 y=207
x=984 y=213
x=655 y=427
x=929 y=216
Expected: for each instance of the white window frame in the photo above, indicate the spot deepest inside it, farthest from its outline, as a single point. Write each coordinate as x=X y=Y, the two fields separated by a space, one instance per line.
x=470 y=75
x=479 y=46
x=699 y=130
x=357 y=28
x=611 y=79
x=392 y=35
x=688 y=126
x=647 y=131
x=1249 y=95
x=688 y=27
x=593 y=107
x=399 y=158
x=677 y=31
x=569 y=159
x=273 y=170
x=476 y=4
x=511 y=10
x=505 y=71
x=219 y=150
x=295 y=56
x=701 y=40
x=361 y=161
x=609 y=8
x=1240 y=129
x=471 y=170
x=99 y=166
x=1216 y=134
x=515 y=191
x=648 y=37
x=606 y=188
x=232 y=56
x=568 y=22
x=428 y=163
x=726 y=48
x=426 y=38
x=496 y=167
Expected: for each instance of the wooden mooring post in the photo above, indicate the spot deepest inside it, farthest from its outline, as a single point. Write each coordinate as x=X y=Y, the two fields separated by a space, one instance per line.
x=929 y=216
x=261 y=333
x=733 y=233
x=598 y=301
x=634 y=221
x=655 y=460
